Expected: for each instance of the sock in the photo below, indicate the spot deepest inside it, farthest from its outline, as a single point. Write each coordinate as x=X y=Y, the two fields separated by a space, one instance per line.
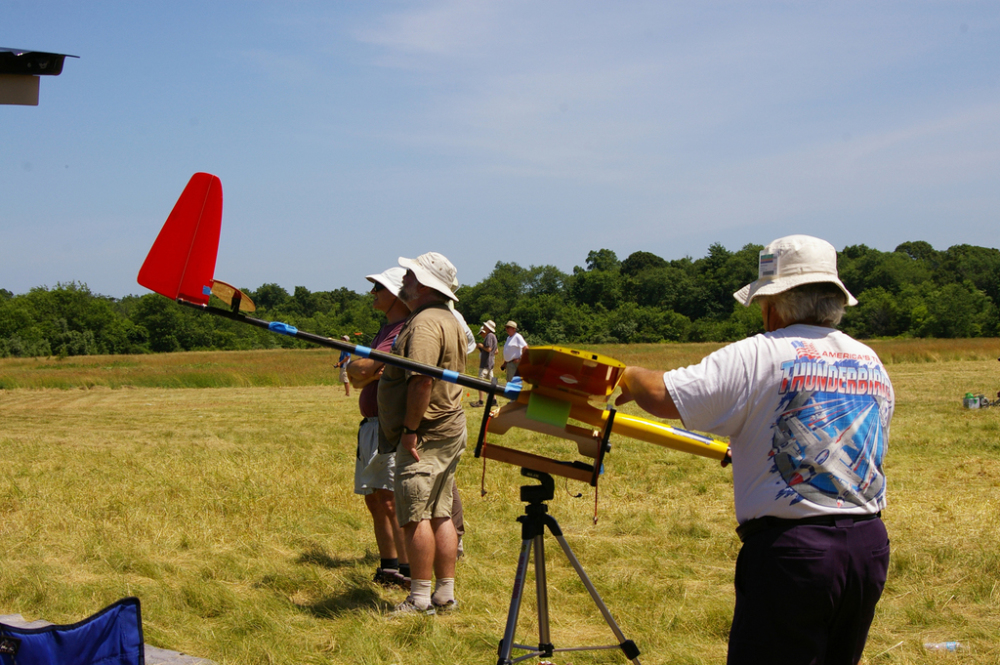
x=389 y=564
x=444 y=591
x=420 y=592
x=404 y=569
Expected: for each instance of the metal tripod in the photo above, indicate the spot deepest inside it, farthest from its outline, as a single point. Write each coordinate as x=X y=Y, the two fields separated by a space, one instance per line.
x=533 y=524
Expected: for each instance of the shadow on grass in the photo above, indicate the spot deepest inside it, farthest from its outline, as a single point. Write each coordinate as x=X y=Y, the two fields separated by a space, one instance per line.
x=359 y=592
x=318 y=557
x=361 y=597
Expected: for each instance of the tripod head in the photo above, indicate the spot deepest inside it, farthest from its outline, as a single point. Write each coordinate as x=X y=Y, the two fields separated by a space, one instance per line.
x=537 y=493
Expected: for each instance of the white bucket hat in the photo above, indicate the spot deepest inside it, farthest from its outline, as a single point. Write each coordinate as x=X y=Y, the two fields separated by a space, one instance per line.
x=433 y=270
x=793 y=261
x=391 y=279
x=489 y=325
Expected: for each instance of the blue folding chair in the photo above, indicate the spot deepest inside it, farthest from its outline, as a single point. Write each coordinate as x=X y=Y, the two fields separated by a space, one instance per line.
x=113 y=636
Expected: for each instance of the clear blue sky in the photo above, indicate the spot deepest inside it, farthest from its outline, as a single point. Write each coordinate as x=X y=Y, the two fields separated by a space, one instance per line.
x=347 y=134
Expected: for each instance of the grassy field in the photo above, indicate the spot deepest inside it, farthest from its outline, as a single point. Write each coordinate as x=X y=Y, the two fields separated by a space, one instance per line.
x=216 y=487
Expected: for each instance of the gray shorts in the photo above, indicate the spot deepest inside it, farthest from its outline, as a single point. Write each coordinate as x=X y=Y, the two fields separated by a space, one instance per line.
x=372 y=471
x=424 y=488
x=512 y=369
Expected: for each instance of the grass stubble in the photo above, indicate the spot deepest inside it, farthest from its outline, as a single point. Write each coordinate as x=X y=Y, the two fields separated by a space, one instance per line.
x=229 y=512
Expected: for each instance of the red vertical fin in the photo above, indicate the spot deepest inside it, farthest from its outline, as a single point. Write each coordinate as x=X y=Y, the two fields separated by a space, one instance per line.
x=181 y=262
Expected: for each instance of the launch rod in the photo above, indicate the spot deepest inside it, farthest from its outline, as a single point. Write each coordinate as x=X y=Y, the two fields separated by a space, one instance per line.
x=510 y=391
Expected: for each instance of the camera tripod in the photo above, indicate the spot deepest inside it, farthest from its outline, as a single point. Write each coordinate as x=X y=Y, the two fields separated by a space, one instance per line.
x=533 y=524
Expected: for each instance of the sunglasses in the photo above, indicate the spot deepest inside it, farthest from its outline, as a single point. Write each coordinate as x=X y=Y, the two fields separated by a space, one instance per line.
x=378 y=287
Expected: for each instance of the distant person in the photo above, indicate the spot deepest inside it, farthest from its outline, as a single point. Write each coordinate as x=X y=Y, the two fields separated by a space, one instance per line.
x=513 y=349
x=487 y=355
x=374 y=473
x=422 y=420
x=345 y=357
x=807 y=410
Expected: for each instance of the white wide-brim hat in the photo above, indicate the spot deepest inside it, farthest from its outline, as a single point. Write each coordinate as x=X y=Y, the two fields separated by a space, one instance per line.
x=391 y=279
x=489 y=325
x=793 y=261
x=433 y=270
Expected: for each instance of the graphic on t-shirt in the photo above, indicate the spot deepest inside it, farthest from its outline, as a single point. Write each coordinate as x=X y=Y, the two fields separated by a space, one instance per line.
x=829 y=437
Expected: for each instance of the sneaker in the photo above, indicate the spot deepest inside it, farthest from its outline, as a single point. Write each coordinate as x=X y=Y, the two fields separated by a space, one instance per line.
x=476 y=404
x=409 y=607
x=391 y=578
x=448 y=606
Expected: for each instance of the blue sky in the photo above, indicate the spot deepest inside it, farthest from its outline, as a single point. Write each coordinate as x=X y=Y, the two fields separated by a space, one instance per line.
x=347 y=134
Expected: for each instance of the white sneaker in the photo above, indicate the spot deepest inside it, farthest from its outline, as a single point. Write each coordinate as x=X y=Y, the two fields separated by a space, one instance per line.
x=409 y=607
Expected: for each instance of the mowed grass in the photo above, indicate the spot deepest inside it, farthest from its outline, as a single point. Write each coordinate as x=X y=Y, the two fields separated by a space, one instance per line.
x=229 y=512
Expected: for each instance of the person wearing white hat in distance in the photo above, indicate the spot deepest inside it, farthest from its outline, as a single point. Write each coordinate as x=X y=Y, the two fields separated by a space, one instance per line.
x=807 y=409
x=513 y=349
x=487 y=355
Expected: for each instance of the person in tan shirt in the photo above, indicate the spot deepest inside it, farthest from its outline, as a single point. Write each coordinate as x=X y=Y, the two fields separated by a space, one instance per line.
x=422 y=420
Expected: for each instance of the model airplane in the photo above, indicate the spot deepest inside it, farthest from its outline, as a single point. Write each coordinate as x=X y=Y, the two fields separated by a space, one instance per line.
x=558 y=384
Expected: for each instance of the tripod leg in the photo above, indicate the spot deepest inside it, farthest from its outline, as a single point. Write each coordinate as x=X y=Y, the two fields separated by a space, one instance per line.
x=542 y=594
x=507 y=643
x=627 y=646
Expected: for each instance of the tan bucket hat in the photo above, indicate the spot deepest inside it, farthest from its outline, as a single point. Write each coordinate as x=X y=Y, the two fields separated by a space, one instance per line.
x=793 y=261
x=433 y=270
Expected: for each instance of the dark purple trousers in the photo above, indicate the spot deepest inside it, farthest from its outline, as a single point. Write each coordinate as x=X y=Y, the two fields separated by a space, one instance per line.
x=806 y=594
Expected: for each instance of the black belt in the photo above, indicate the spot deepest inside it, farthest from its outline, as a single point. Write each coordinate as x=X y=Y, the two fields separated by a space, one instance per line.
x=758 y=524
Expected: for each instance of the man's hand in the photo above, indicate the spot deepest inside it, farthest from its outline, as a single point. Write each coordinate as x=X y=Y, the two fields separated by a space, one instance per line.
x=362 y=371
x=647 y=388
x=409 y=442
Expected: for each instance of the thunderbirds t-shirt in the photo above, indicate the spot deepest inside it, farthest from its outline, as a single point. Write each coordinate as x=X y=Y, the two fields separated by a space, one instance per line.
x=807 y=410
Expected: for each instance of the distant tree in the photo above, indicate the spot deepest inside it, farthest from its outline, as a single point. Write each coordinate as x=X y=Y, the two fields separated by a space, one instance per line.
x=878 y=314
x=269 y=296
x=637 y=262
x=603 y=259
x=919 y=251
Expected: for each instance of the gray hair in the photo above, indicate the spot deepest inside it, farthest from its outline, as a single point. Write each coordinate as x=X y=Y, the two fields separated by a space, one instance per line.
x=820 y=304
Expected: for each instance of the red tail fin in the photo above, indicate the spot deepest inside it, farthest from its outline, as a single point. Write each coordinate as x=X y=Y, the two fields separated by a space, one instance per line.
x=181 y=262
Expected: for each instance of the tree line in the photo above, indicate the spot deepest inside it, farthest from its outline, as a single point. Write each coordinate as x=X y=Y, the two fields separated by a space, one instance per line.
x=913 y=291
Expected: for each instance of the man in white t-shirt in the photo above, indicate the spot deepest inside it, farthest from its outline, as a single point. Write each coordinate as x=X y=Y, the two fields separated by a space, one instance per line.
x=807 y=411
x=513 y=348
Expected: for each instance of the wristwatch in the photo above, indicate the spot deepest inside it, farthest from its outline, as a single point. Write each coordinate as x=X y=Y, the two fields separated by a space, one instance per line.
x=407 y=430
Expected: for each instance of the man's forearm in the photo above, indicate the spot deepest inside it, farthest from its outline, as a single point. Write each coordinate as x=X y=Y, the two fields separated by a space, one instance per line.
x=647 y=388
x=418 y=398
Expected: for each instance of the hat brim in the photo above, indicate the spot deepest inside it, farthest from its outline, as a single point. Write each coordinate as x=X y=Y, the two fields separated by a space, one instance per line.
x=427 y=279
x=770 y=287
x=378 y=279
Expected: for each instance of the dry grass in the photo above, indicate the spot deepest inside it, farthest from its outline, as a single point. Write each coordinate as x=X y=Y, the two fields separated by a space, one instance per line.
x=229 y=512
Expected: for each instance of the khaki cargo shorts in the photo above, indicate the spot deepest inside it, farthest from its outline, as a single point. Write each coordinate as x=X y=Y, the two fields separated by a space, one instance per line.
x=424 y=489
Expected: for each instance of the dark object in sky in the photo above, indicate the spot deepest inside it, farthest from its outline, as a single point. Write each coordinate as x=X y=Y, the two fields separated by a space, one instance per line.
x=19 y=72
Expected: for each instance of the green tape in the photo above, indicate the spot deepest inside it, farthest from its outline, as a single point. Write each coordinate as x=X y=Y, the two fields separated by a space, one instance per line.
x=548 y=410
